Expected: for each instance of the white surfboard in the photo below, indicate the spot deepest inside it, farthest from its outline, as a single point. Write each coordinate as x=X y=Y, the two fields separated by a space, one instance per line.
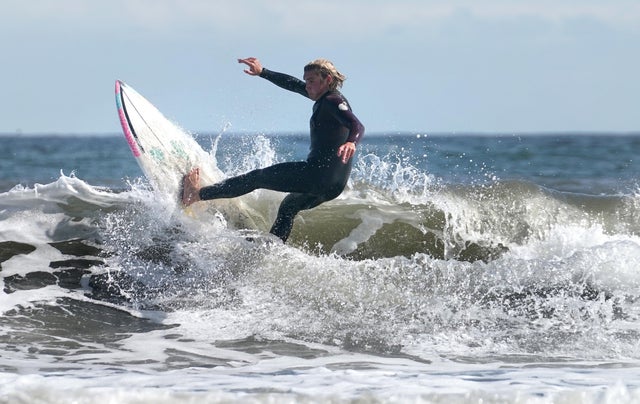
x=164 y=151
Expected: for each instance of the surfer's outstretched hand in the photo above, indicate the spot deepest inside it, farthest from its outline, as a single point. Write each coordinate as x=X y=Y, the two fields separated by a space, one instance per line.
x=191 y=187
x=255 y=68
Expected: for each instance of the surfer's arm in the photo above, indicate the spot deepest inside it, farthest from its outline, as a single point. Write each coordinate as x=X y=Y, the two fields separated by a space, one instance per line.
x=356 y=128
x=343 y=113
x=356 y=131
x=285 y=81
x=280 y=79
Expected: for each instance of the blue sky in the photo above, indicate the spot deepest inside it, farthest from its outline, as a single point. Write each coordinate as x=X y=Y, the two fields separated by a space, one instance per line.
x=412 y=65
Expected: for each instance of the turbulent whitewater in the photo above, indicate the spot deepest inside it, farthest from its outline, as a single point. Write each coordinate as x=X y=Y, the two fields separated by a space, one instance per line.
x=454 y=268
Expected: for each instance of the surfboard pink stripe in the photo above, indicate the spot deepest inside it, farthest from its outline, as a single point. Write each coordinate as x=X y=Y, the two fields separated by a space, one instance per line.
x=123 y=121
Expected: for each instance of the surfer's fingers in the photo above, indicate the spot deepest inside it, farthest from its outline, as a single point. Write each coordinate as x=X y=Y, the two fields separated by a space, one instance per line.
x=255 y=68
x=346 y=151
x=248 y=61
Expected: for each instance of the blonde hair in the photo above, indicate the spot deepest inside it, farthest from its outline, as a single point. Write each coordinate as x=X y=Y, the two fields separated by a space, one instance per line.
x=325 y=68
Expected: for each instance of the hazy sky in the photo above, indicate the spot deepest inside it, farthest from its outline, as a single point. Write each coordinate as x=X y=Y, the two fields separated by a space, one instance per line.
x=412 y=65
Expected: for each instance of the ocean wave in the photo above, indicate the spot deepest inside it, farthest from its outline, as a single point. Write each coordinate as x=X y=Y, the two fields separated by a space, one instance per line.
x=398 y=263
x=462 y=222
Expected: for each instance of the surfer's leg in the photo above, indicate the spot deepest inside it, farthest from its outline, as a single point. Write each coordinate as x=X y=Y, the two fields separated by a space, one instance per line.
x=289 y=208
x=283 y=177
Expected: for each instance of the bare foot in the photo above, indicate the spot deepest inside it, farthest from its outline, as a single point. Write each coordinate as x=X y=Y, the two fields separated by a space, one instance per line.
x=191 y=187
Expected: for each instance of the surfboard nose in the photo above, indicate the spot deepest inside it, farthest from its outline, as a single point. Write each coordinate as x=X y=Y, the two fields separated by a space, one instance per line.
x=120 y=85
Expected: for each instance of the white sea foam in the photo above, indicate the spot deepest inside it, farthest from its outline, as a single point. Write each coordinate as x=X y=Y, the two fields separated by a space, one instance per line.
x=387 y=381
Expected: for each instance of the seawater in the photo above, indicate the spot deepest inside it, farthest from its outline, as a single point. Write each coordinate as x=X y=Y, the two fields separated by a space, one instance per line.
x=454 y=268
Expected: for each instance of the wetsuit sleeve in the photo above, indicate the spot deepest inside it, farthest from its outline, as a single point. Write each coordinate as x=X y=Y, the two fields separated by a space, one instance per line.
x=342 y=111
x=285 y=81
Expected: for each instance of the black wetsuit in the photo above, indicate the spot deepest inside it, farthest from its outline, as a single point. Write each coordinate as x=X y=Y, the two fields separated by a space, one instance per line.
x=320 y=178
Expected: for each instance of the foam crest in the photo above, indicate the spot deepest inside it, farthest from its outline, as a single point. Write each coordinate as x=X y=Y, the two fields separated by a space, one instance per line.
x=64 y=190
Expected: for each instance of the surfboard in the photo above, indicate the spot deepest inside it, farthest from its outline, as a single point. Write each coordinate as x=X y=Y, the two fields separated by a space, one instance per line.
x=163 y=150
x=165 y=153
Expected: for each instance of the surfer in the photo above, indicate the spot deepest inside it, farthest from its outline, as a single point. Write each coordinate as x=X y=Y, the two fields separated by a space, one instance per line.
x=335 y=132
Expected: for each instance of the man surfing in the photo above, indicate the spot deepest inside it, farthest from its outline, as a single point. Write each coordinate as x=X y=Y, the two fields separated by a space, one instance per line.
x=335 y=131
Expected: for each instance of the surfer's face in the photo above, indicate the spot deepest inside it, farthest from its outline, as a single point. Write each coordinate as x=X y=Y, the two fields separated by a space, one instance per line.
x=316 y=85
